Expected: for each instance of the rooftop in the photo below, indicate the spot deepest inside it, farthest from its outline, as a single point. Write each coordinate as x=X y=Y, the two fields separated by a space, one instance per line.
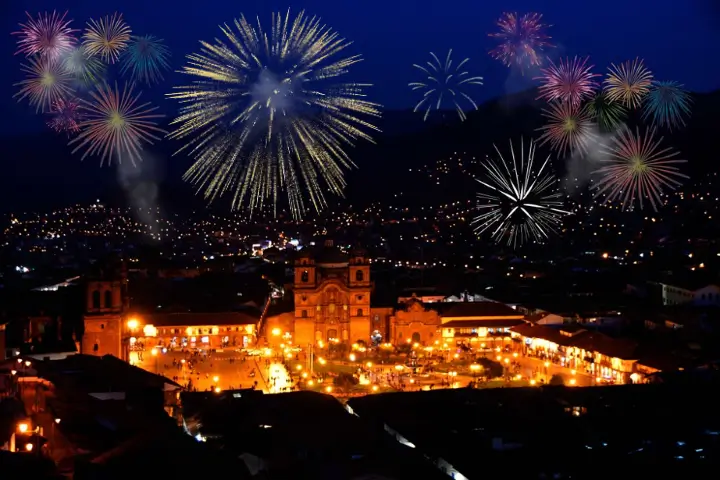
x=529 y=426
x=88 y=373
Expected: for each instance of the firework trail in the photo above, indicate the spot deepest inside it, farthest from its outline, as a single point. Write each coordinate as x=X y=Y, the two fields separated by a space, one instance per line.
x=145 y=58
x=666 y=104
x=444 y=82
x=65 y=116
x=628 y=83
x=114 y=124
x=48 y=35
x=520 y=203
x=522 y=40
x=634 y=167
x=569 y=81
x=607 y=114
x=569 y=129
x=260 y=118
x=107 y=37
x=47 y=81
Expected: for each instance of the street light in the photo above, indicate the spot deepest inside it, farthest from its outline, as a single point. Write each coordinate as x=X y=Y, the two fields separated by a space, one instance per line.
x=23 y=427
x=154 y=353
x=133 y=324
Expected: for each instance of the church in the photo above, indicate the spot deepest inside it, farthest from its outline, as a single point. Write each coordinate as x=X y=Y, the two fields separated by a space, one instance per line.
x=331 y=298
x=331 y=301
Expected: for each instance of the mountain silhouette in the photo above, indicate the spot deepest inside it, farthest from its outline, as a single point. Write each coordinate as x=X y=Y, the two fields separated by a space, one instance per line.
x=41 y=172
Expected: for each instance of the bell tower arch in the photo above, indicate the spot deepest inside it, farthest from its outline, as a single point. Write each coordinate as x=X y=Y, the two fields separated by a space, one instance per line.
x=106 y=303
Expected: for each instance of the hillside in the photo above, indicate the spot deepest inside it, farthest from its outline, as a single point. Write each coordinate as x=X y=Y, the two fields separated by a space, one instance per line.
x=40 y=171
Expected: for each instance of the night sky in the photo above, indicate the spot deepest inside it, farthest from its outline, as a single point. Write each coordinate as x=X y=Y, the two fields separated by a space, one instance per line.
x=679 y=40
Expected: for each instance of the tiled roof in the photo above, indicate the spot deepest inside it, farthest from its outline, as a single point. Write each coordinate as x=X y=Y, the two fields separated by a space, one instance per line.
x=191 y=319
x=99 y=374
x=474 y=309
x=494 y=323
x=589 y=341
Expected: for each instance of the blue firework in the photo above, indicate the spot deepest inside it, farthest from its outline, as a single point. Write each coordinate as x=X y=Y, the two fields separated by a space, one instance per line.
x=667 y=104
x=146 y=57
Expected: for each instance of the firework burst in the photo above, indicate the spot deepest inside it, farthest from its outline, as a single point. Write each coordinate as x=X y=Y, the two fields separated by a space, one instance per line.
x=114 y=124
x=47 y=81
x=65 y=116
x=667 y=103
x=85 y=69
x=48 y=35
x=522 y=40
x=628 y=83
x=569 y=129
x=444 y=83
x=520 y=203
x=607 y=114
x=634 y=167
x=261 y=118
x=146 y=57
x=569 y=81
x=107 y=37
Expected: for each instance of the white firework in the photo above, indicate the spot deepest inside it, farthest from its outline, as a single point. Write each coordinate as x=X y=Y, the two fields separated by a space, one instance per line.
x=520 y=203
x=444 y=84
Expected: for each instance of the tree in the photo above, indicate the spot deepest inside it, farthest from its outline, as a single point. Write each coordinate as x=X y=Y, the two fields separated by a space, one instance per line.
x=491 y=368
x=557 y=380
x=345 y=381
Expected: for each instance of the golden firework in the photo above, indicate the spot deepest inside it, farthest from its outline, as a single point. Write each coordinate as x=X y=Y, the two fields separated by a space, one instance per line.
x=107 y=37
x=264 y=113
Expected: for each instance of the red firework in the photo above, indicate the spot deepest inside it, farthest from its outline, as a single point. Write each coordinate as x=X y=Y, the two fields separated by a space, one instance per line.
x=569 y=81
x=522 y=40
x=65 y=116
x=48 y=35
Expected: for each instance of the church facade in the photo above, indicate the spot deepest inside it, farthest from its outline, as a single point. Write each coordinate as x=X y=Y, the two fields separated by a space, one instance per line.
x=331 y=298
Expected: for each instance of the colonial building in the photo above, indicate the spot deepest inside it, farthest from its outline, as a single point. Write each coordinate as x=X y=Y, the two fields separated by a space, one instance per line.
x=106 y=307
x=114 y=327
x=331 y=293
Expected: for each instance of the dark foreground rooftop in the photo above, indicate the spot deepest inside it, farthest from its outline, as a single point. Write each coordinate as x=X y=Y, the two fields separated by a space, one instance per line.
x=556 y=431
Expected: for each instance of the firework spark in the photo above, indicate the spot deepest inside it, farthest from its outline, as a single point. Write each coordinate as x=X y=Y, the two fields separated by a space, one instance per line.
x=48 y=35
x=444 y=82
x=636 y=168
x=261 y=119
x=115 y=125
x=85 y=69
x=667 y=103
x=522 y=39
x=46 y=83
x=569 y=81
x=569 y=128
x=65 y=116
x=146 y=57
x=607 y=114
x=628 y=83
x=521 y=203
x=107 y=37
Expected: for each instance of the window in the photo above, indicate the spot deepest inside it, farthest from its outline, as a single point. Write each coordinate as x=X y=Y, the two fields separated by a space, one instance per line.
x=96 y=299
x=359 y=312
x=304 y=314
x=305 y=277
x=108 y=299
x=359 y=298
x=359 y=276
x=416 y=337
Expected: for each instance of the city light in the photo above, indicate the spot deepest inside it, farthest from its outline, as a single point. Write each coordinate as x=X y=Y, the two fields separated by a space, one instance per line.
x=133 y=323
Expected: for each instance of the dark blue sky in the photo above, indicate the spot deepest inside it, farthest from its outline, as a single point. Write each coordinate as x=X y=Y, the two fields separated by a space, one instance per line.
x=680 y=40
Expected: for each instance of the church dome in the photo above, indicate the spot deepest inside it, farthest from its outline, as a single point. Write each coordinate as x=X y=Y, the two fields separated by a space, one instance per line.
x=329 y=256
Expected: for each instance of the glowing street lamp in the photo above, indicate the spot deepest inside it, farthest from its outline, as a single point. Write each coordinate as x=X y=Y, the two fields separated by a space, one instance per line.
x=133 y=324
